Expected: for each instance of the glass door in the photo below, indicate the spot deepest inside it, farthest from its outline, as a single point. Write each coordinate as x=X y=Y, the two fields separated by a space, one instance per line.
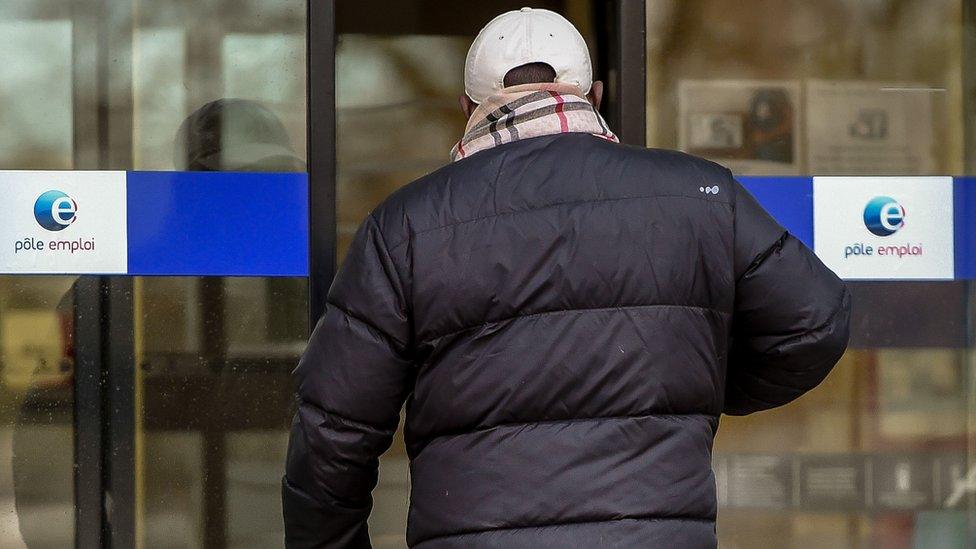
x=37 y=370
x=218 y=87
x=881 y=454
x=398 y=74
x=150 y=411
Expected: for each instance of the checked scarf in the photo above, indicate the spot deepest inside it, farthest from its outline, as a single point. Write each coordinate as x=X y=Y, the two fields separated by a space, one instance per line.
x=529 y=110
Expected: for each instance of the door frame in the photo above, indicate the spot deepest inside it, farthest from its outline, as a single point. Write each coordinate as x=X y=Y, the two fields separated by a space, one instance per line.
x=621 y=63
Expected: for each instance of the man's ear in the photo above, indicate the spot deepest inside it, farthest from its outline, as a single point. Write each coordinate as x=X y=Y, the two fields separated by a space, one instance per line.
x=467 y=105
x=596 y=94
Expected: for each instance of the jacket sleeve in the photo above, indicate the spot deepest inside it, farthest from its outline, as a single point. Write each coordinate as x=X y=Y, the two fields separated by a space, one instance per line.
x=790 y=324
x=352 y=381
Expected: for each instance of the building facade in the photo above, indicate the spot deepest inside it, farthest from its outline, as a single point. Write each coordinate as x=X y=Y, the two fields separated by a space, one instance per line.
x=146 y=402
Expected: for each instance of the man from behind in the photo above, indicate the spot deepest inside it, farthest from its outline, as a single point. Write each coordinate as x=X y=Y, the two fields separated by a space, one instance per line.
x=566 y=319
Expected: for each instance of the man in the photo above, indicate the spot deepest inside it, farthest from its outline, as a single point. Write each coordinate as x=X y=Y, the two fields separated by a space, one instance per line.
x=566 y=318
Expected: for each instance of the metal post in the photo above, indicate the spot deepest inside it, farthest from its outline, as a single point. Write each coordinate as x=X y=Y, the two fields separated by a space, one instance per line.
x=621 y=62
x=104 y=390
x=88 y=412
x=321 y=49
x=631 y=72
x=969 y=85
x=119 y=412
x=118 y=346
x=103 y=406
x=87 y=396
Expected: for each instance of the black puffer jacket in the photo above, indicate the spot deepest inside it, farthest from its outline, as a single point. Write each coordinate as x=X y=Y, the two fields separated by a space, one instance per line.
x=566 y=318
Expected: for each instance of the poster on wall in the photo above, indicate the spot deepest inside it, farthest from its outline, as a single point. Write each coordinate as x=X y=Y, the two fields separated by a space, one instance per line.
x=869 y=128
x=749 y=126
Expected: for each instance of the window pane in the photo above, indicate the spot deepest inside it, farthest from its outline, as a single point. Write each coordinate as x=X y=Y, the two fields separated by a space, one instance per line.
x=35 y=67
x=36 y=413
x=36 y=364
x=874 y=455
x=218 y=87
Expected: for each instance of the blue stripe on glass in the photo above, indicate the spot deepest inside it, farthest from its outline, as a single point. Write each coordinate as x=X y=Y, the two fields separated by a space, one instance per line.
x=217 y=224
x=788 y=199
x=964 y=227
x=256 y=224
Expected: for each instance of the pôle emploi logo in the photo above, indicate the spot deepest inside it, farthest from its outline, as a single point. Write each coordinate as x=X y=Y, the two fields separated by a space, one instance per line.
x=883 y=216
x=54 y=211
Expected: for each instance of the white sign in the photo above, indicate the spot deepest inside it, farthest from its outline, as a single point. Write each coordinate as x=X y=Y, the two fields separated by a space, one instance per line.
x=750 y=126
x=884 y=227
x=63 y=222
x=869 y=128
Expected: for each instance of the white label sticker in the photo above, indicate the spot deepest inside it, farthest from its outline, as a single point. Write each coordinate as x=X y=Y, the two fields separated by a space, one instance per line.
x=60 y=222
x=884 y=227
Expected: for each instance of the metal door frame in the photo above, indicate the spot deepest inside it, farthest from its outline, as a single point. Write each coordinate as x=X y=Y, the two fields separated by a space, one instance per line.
x=621 y=61
x=104 y=374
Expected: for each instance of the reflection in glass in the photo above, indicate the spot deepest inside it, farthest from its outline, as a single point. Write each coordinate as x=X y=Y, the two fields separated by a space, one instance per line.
x=36 y=412
x=217 y=88
x=872 y=457
x=215 y=364
x=36 y=366
x=35 y=68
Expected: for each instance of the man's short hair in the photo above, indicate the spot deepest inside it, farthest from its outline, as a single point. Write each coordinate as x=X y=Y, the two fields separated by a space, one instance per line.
x=530 y=73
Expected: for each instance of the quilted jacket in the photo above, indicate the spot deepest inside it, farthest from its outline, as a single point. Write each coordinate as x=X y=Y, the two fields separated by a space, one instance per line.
x=566 y=319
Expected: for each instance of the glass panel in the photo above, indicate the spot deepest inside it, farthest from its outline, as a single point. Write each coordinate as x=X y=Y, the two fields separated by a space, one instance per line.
x=36 y=366
x=215 y=354
x=35 y=65
x=215 y=362
x=157 y=84
x=864 y=87
x=878 y=455
x=36 y=413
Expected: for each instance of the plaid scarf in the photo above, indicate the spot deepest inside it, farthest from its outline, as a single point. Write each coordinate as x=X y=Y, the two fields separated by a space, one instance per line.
x=529 y=110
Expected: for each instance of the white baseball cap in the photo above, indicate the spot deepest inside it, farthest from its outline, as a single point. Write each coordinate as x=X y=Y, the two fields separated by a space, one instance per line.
x=525 y=36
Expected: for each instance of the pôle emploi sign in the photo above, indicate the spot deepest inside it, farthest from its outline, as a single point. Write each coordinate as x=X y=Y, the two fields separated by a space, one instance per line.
x=879 y=228
x=154 y=223
x=256 y=224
